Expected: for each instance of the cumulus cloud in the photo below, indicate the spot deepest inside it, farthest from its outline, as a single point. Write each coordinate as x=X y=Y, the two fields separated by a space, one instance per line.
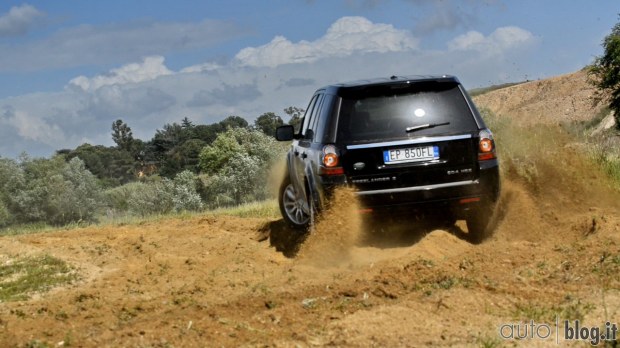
x=346 y=36
x=497 y=42
x=150 y=68
x=32 y=127
x=19 y=20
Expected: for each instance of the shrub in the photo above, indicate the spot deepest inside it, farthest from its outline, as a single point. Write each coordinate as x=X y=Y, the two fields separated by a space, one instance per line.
x=73 y=194
x=156 y=196
x=150 y=198
x=5 y=216
x=49 y=190
x=184 y=195
x=236 y=167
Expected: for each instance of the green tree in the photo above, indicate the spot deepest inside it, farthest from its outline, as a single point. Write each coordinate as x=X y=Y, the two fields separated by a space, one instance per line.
x=233 y=122
x=213 y=157
x=122 y=135
x=606 y=71
x=208 y=133
x=187 y=154
x=268 y=122
x=296 y=115
x=111 y=165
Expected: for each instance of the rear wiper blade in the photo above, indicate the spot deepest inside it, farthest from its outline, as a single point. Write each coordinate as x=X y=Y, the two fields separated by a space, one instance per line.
x=425 y=126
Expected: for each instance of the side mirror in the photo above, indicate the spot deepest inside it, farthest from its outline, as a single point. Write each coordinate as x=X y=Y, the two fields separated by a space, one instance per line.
x=285 y=133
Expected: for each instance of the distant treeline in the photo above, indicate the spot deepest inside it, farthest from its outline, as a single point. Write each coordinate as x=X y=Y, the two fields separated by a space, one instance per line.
x=183 y=167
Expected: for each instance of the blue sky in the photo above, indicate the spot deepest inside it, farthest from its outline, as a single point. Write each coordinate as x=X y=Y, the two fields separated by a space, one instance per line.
x=70 y=68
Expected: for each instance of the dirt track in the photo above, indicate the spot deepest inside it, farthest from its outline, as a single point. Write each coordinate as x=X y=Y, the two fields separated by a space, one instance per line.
x=227 y=281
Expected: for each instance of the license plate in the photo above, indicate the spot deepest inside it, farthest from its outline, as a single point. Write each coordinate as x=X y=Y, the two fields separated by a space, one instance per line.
x=411 y=154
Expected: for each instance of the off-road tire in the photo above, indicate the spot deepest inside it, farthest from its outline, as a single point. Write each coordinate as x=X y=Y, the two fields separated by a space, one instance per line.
x=290 y=206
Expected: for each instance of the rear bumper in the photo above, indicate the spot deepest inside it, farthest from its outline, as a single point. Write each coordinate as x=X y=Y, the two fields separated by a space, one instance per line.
x=458 y=196
x=455 y=195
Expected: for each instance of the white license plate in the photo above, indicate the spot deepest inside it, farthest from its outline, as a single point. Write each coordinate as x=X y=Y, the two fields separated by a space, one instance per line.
x=411 y=154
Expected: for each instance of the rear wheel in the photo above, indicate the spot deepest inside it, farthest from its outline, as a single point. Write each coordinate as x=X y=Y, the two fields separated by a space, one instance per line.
x=478 y=225
x=294 y=206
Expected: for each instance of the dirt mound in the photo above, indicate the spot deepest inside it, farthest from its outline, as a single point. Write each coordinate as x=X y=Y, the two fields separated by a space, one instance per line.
x=563 y=98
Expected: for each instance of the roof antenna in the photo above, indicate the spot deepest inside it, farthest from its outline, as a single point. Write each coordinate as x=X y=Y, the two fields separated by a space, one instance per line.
x=393 y=77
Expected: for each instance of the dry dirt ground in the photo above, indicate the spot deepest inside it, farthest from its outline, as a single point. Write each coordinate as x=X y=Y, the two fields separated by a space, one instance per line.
x=568 y=97
x=227 y=281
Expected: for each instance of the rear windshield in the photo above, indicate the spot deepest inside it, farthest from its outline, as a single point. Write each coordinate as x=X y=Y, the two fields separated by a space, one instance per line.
x=385 y=112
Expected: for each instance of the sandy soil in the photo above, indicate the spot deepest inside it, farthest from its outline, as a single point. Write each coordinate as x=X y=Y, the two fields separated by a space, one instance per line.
x=229 y=281
x=562 y=98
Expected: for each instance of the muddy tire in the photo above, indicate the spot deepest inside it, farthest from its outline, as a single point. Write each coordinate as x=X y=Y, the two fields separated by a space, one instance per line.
x=478 y=225
x=294 y=206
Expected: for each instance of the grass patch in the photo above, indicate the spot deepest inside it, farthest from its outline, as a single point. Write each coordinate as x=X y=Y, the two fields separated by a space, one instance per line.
x=25 y=229
x=602 y=149
x=21 y=277
x=528 y=153
x=489 y=342
x=524 y=150
x=605 y=153
x=569 y=309
x=263 y=209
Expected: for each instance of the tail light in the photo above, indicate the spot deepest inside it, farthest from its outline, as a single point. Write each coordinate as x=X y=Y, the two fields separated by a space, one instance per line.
x=330 y=161
x=486 y=146
x=330 y=156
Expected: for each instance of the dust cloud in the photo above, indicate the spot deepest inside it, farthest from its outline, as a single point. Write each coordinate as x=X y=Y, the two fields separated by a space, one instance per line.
x=337 y=230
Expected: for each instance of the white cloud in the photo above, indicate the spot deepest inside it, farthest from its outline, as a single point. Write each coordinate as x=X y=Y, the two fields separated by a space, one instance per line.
x=150 y=68
x=19 y=20
x=208 y=66
x=346 y=36
x=500 y=40
x=32 y=127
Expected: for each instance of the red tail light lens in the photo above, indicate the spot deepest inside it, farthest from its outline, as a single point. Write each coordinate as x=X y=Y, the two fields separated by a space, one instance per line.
x=486 y=147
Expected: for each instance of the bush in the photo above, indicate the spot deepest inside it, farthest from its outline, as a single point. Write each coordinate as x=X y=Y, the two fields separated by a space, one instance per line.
x=184 y=195
x=5 y=216
x=149 y=198
x=48 y=190
x=73 y=194
x=236 y=167
x=157 y=196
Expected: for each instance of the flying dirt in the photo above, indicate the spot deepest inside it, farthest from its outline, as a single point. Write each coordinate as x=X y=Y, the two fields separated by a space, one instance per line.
x=218 y=280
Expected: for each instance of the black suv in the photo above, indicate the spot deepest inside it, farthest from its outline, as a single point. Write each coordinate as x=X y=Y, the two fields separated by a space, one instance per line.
x=407 y=144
